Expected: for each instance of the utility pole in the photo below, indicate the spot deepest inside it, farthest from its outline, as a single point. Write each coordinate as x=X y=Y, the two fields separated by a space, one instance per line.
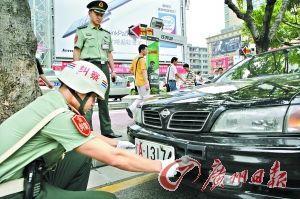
x=184 y=6
x=41 y=19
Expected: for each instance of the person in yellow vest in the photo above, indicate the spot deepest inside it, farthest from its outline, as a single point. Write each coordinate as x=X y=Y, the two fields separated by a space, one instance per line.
x=94 y=44
x=35 y=139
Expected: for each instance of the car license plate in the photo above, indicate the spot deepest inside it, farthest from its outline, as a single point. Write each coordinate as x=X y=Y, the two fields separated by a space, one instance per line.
x=153 y=150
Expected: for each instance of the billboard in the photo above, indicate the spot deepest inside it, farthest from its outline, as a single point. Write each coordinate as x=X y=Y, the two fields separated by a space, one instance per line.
x=120 y=15
x=226 y=46
x=224 y=62
x=153 y=56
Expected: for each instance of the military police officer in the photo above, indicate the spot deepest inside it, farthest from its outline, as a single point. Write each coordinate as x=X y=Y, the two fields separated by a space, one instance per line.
x=94 y=44
x=34 y=139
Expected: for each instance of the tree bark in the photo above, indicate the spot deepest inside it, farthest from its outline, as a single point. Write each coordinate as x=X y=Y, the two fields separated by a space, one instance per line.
x=18 y=74
x=266 y=24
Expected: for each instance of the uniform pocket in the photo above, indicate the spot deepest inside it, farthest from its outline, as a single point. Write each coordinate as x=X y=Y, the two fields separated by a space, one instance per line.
x=105 y=44
x=90 y=42
x=91 y=47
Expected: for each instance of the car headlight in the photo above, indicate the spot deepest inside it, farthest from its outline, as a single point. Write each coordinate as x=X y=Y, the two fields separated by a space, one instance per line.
x=293 y=119
x=138 y=115
x=252 y=120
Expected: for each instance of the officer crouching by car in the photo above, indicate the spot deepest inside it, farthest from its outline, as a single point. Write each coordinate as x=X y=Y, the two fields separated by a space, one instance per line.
x=35 y=139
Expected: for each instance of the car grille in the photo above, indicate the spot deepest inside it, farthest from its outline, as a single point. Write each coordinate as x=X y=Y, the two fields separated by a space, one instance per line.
x=152 y=118
x=188 y=120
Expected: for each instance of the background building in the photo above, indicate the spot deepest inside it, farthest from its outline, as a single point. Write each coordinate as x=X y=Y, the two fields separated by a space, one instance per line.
x=198 y=59
x=231 y=20
x=223 y=49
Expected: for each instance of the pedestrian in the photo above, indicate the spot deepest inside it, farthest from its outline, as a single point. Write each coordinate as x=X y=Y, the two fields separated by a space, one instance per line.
x=35 y=139
x=190 y=79
x=94 y=44
x=219 y=72
x=172 y=74
x=150 y=71
x=41 y=74
x=139 y=69
x=199 y=79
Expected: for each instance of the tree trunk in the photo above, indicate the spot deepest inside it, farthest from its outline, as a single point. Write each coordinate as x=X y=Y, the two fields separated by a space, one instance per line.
x=262 y=45
x=263 y=38
x=18 y=74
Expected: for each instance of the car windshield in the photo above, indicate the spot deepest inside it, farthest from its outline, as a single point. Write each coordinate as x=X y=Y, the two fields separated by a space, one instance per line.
x=271 y=63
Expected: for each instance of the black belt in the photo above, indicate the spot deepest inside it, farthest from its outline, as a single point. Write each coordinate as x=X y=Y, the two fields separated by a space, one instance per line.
x=96 y=61
x=172 y=80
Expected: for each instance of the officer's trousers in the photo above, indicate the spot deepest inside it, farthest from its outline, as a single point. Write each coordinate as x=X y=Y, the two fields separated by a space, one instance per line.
x=105 y=122
x=69 y=181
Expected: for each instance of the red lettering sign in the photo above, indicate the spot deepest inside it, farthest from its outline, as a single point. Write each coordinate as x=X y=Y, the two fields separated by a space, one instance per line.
x=258 y=176
x=277 y=178
x=81 y=125
x=186 y=164
x=84 y=69
x=95 y=76
x=216 y=177
x=239 y=177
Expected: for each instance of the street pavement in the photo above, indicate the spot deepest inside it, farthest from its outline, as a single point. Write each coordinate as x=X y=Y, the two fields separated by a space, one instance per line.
x=148 y=187
x=153 y=190
x=119 y=120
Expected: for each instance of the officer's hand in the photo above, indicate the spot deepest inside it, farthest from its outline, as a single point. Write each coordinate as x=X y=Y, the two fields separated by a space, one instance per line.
x=113 y=75
x=147 y=86
x=125 y=145
x=51 y=85
x=172 y=171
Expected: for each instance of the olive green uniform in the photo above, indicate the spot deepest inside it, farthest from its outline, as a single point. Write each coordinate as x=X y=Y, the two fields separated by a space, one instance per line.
x=51 y=142
x=95 y=44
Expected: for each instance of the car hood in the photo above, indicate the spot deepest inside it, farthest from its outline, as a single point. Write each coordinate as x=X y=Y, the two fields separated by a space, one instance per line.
x=279 y=89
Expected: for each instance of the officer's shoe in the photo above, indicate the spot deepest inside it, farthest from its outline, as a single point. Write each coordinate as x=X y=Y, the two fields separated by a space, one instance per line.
x=112 y=135
x=129 y=112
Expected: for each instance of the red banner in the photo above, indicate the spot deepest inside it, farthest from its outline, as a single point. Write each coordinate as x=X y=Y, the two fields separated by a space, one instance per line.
x=120 y=68
x=224 y=62
x=163 y=68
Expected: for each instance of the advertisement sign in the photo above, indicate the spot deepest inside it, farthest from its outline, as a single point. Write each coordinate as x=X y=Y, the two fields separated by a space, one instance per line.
x=120 y=68
x=167 y=37
x=153 y=59
x=120 y=15
x=226 y=46
x=163 y=68
x=224 y=62
x=153 y=55
x=169 y=22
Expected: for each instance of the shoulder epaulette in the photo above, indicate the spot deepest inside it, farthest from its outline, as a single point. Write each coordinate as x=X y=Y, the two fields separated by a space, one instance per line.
x=105 y=30
x=83 y=26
